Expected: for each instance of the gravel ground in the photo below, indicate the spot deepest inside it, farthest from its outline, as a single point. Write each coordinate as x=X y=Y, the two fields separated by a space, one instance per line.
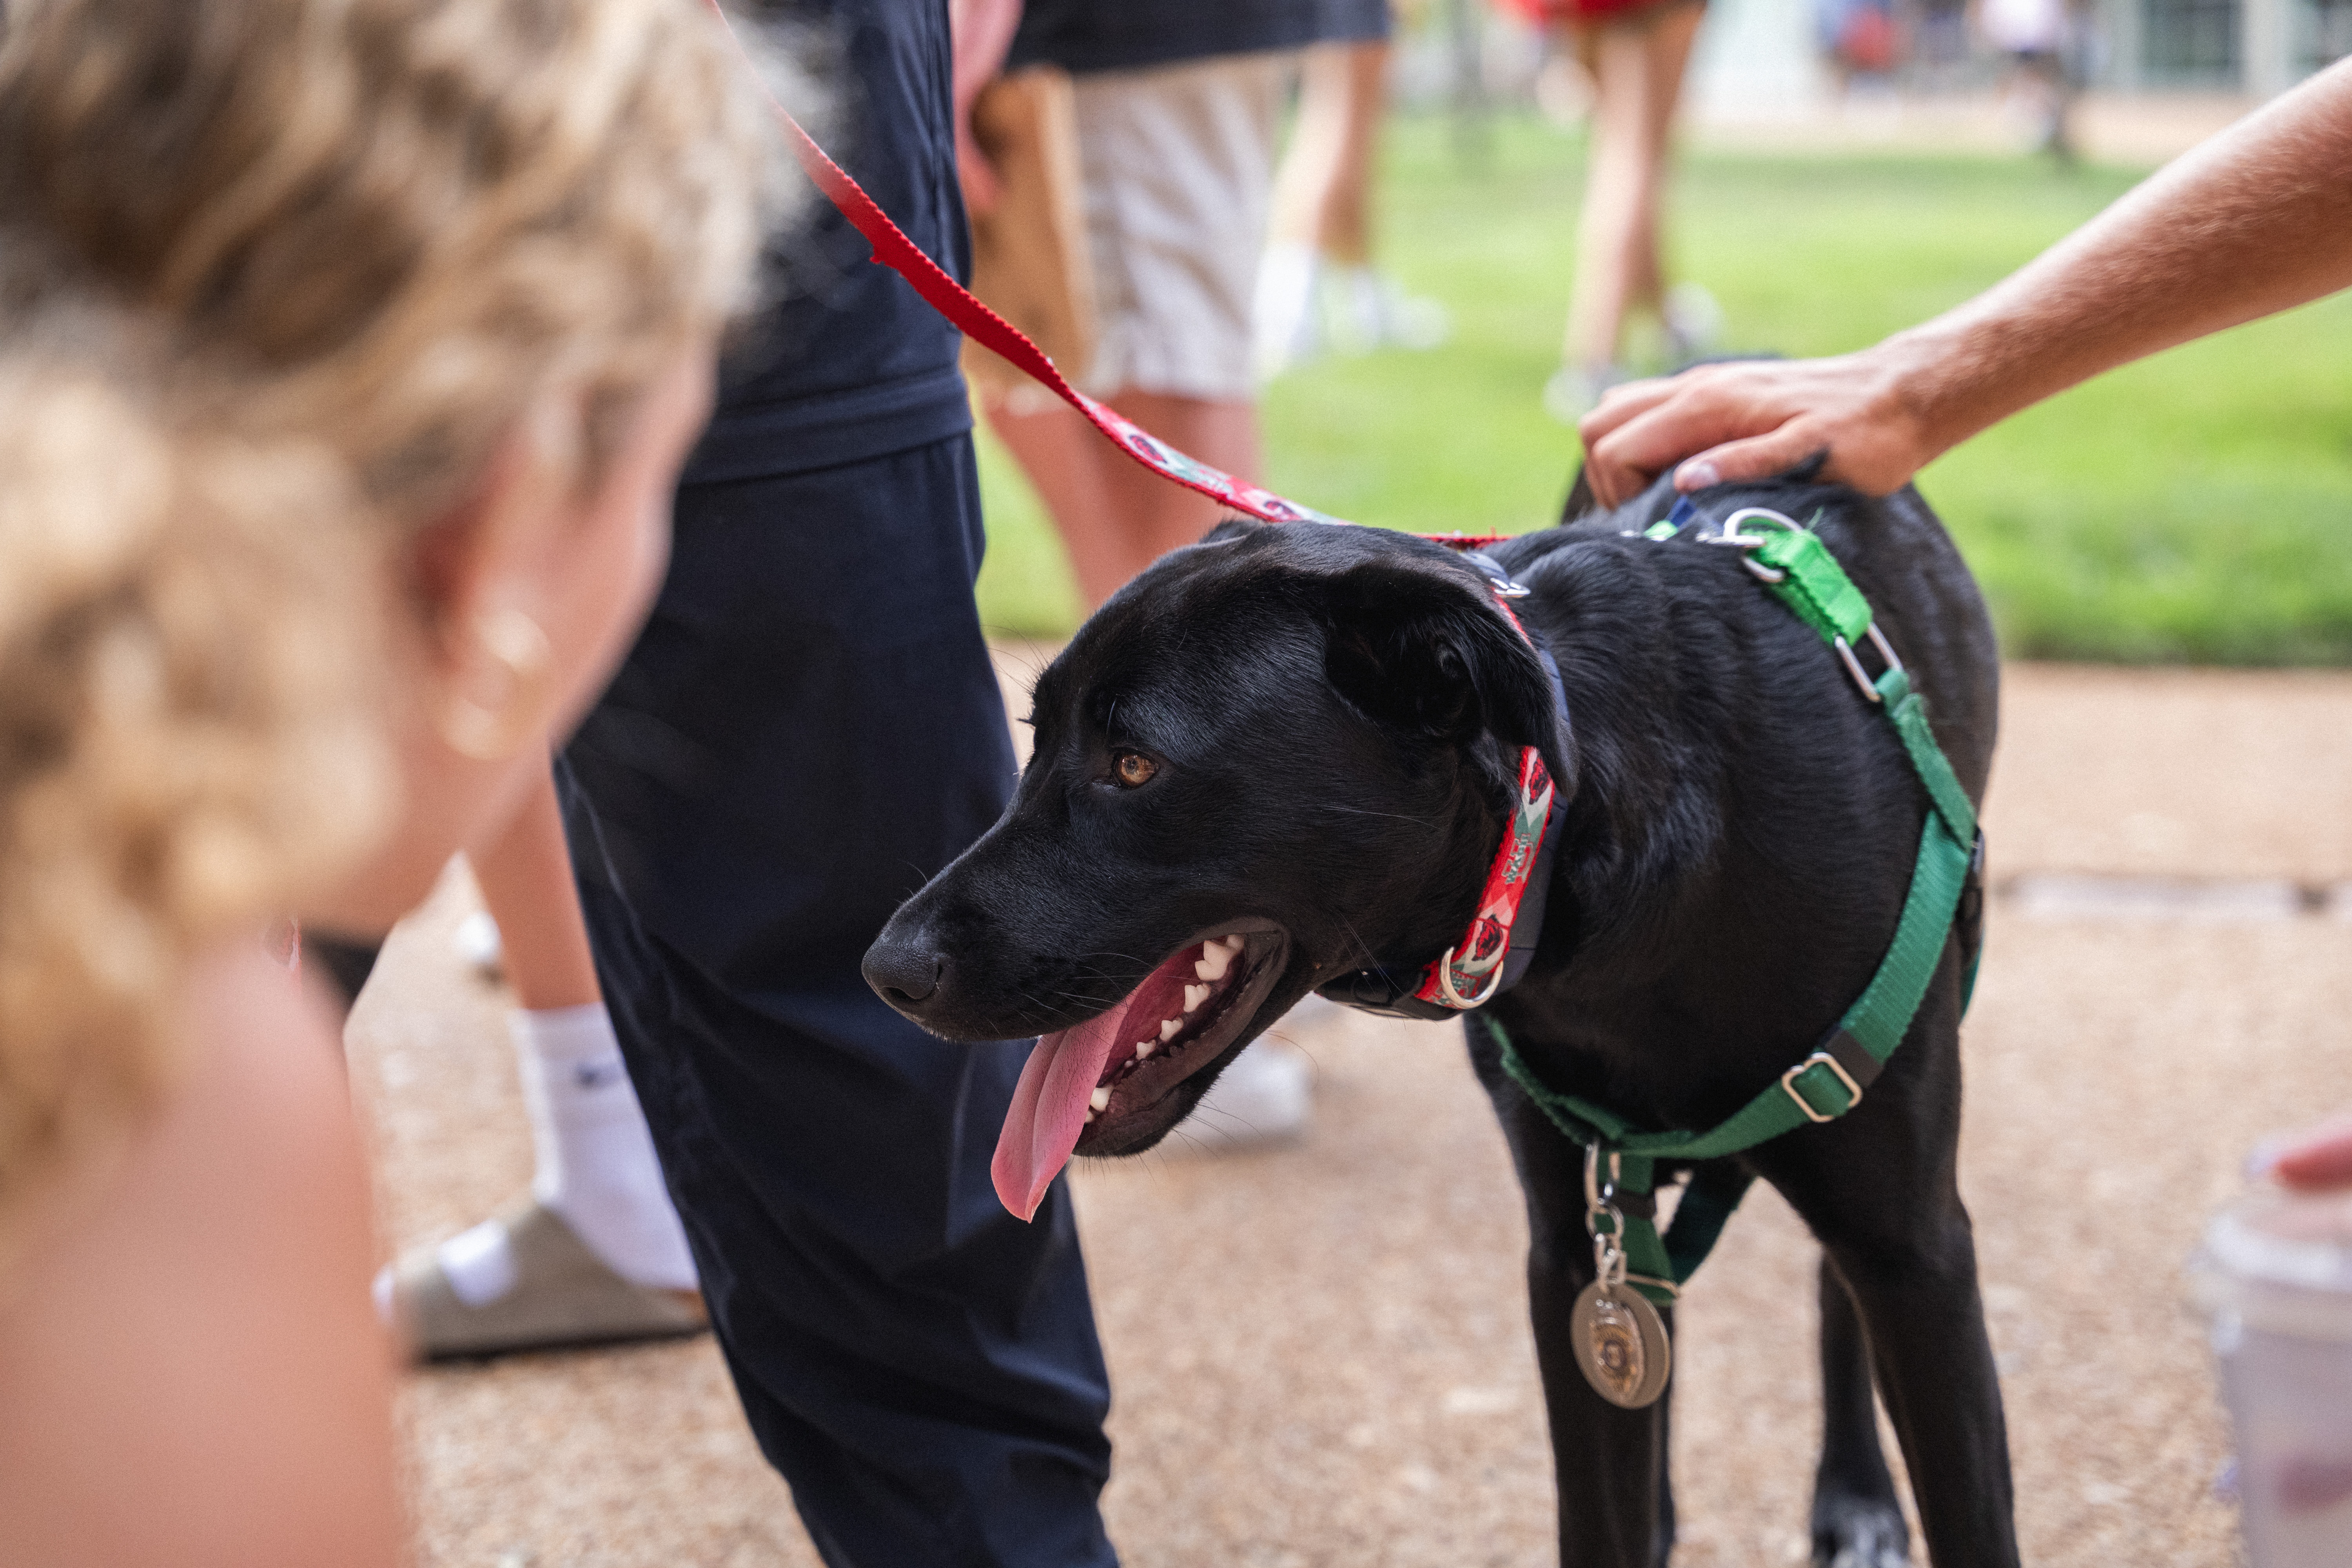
x=1321 y=1353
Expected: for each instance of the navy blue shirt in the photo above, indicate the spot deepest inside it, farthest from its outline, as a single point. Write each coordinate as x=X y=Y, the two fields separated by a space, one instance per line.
x=850 y=364
x=1124 y=35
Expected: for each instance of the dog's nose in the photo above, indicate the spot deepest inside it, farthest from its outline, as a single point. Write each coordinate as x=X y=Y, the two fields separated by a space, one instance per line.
x=903 y=973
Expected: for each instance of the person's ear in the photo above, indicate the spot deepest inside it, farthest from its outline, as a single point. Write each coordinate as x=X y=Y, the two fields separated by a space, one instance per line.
x=479 y=576
x=1429 y=653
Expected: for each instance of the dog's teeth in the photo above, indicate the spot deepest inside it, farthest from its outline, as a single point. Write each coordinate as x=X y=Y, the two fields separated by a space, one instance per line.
x=1090 y=1115
x=1194 y=996
x=1213 y=962
x=1233 y=945
x=1168 y=1030
x=1145 y=1048
x=1101 y=1100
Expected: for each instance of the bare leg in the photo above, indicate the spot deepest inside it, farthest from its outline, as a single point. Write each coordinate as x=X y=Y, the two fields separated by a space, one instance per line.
x=526 y=881
x=1115 y=516
x=1637 y=74
x=1322 y=197
x=1163 y=516
x=1064 y=457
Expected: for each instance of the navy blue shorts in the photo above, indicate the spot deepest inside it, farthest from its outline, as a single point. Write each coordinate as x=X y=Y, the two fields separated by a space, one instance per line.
x=806 y=730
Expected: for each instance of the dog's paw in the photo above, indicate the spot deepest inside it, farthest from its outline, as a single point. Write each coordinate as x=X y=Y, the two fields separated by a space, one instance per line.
x=1856 y=1532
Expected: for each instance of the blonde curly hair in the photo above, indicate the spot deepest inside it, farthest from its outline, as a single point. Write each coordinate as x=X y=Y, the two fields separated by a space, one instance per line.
x=398 y=221
x=184 y=736
x=276 y=277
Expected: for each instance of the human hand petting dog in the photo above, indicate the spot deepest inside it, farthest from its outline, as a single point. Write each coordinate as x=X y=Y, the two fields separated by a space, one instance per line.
x=2256 y=220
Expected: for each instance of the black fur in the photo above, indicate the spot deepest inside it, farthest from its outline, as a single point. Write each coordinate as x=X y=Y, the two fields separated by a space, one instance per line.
x=1335 y=712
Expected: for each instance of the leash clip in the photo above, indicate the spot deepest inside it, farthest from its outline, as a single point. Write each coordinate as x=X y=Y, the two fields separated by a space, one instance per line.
x=1732 y=536
x=1599 y=1203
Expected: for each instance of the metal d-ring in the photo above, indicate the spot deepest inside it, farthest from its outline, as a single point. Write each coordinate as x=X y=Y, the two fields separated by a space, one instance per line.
x=1731 y=535
x=1445 y=982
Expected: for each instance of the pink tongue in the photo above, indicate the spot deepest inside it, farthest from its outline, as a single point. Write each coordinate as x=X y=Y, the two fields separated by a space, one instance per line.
x=1049 y=1109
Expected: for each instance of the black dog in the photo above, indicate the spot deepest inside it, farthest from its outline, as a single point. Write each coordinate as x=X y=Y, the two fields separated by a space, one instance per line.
x=1287 y=754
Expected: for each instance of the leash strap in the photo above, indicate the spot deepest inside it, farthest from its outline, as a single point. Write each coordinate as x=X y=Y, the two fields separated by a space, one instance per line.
x=1798 y=569
x=972 y=318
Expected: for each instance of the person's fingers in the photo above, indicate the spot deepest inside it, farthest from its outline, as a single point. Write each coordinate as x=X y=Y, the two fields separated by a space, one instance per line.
x=2318 y=1161
x=1621 y=404
x=1692 y=419
x=1756 y=458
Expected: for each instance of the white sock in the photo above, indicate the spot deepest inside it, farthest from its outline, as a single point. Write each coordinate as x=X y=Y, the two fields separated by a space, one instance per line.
x=596 y=1162
x=596 y=1166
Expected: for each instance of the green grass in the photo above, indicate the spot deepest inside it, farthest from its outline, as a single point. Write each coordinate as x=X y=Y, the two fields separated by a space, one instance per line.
x=2193 y=508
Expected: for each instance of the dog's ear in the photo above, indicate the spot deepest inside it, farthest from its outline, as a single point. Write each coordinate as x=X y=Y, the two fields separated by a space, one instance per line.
x=1430 y=653
x=1232 y=528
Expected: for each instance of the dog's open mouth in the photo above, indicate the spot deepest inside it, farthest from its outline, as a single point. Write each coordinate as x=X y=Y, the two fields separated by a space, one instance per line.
x=1087 y=1082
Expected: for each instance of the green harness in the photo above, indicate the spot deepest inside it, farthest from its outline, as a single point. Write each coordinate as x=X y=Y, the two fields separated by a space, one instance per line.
x=1620 y=1162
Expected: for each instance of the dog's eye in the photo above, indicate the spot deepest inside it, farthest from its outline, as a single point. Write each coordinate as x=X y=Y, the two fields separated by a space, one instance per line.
x=1132 y=768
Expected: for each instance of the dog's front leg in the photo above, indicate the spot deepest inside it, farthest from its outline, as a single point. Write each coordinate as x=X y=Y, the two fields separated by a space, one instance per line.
x=1857 y=1520
x=1616 y=1503
x=1879 y=1188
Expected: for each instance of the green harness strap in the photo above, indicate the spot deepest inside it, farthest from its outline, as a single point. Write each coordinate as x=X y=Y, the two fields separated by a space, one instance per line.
x=1799 y=571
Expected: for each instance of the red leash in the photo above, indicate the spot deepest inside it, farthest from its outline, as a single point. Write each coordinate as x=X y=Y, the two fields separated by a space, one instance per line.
x=951 y=298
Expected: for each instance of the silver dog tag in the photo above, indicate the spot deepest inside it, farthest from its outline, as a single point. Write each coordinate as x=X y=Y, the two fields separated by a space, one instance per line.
x=1621 y=1344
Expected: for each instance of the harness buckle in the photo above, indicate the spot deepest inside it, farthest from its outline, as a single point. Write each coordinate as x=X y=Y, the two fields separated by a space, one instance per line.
x=1853 y=665
x=1820 y=1058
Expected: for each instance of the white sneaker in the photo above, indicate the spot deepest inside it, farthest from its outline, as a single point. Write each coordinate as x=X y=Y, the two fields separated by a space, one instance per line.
x=1693 y=324
x=1287 y=324
x=1372 y=312
x=1263 y=1097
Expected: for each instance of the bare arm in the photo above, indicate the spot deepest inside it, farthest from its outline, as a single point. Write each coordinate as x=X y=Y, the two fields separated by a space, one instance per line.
x=2256 y=220
x=983 y=31
x=190 y=1370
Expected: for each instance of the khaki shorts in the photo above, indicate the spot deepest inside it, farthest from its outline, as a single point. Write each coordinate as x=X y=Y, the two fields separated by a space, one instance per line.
x=1178 y=165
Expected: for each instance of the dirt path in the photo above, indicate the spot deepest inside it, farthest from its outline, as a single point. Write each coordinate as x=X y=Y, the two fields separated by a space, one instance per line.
x=1320 y=1353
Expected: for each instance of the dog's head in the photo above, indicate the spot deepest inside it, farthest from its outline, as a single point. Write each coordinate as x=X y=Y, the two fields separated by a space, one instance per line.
x=1279 y=755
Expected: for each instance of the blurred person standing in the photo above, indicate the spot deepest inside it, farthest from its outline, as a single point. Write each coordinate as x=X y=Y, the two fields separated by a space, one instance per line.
x=1634 y=51
x=808 y=727
x=1176 y=104
x=1858 y=38
x=2036 y=39
x=334 y=476
x=1317 y=284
